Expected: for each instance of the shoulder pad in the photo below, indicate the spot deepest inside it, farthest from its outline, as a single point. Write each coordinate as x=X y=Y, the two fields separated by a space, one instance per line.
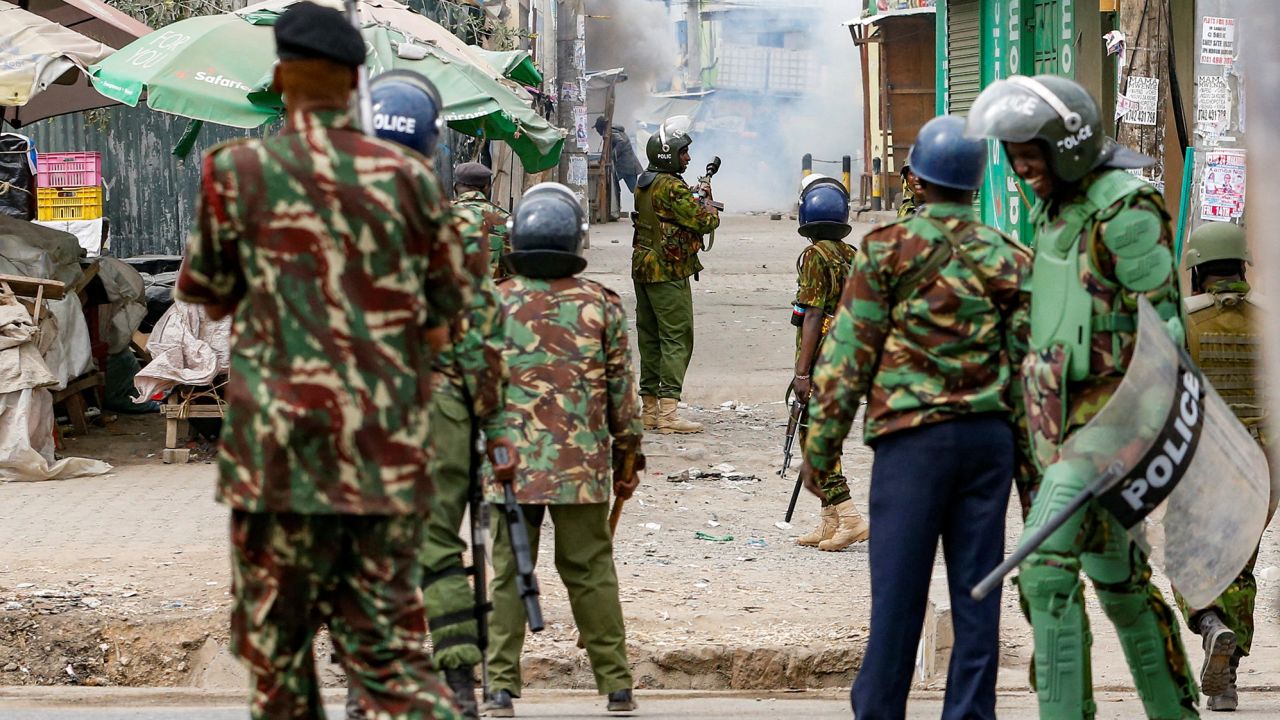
x=646 y=179
x=1112 y=186
x=1196 y=303
x=1131 y=232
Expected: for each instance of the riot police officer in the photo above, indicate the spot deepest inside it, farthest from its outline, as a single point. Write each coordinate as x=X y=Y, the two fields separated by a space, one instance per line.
x=1102 y=240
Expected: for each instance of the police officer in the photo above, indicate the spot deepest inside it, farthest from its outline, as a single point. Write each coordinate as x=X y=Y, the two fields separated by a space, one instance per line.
x=1102 y=239
x=572 y=406
x=469 y=379
x=669 y=225
x=323 y=457
x=929 y=328
x=820 y=274
x=912 y=196
x=1223 y=322
x=472 y=187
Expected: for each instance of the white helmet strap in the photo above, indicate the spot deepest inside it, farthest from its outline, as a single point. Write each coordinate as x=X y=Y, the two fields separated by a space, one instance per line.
x=1070 y=119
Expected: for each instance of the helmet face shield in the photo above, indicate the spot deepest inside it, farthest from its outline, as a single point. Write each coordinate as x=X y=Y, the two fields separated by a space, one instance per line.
x=1009 y=113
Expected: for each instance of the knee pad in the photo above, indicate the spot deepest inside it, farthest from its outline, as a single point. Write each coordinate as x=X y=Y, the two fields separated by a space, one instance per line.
x=1061 y=482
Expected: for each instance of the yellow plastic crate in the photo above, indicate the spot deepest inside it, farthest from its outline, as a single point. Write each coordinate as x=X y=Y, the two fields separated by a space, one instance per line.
x=82 y=203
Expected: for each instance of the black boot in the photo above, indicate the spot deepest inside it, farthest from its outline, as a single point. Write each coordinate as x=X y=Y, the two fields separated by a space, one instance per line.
x=462 y=681
x=622 y=701
x=499 y=704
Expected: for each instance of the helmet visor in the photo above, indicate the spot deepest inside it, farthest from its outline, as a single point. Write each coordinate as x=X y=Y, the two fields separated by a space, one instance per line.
x=677 y=126
x=1008 y=112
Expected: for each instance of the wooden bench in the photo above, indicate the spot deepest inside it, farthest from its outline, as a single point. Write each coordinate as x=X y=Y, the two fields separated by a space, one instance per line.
x=179 y=408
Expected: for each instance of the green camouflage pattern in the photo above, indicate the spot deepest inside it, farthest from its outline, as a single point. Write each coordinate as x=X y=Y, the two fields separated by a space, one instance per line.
x=473 y=364
x=335 y=249
x=669 y=232
x=943 y=349
x=910 y=203
x=359 y=575
x=1055 y=406
x=571 y=388
x=821 y=271
x=479 y=215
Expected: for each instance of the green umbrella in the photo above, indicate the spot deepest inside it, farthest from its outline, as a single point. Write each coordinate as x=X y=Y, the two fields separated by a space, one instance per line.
x=514 y=64
x=216 y=69
x=199 y=68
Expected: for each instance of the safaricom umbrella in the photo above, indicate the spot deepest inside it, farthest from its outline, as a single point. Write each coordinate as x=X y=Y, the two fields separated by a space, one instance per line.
x=200 y=68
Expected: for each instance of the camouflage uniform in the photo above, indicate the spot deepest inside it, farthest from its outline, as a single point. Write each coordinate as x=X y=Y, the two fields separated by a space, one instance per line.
x=1112 y=214
x=481 y=215
x=332 y=247
x=1222 y=327
x=469 y=384
x=571 y=391
x=669 y=228
x=930 y=328
x=821 y=271
x=910 y=203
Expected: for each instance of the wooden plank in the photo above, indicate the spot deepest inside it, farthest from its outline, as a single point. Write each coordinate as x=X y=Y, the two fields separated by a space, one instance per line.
x=191 y=411
x=80 y=384
x=88 y=274
x=30 y=287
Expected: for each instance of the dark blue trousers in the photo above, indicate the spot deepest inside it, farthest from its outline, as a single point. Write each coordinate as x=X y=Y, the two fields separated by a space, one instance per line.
x=946 y=480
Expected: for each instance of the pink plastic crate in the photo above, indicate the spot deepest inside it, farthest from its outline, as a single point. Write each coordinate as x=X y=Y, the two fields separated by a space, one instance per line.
x=69 y=169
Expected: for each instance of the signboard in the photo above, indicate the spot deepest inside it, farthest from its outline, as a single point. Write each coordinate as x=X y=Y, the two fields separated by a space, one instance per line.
x=1222 y=185
x=1217 y=41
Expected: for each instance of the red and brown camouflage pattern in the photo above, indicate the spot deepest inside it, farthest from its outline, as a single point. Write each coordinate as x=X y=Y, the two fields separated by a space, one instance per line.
x=943 y=349
x=335 y=249
x=572 y=389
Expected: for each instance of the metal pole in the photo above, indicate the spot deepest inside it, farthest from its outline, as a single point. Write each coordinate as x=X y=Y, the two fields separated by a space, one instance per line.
x=846 y=173
x=806 y=165
x=693 y=43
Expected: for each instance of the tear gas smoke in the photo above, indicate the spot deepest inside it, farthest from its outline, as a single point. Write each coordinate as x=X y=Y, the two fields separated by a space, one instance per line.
x=761 y=124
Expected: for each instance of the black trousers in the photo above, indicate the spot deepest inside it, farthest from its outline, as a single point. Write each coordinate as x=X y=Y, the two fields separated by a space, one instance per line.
x=947 y=480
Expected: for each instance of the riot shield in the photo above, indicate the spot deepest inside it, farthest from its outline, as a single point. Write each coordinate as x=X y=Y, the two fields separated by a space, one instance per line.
x=1194 y=486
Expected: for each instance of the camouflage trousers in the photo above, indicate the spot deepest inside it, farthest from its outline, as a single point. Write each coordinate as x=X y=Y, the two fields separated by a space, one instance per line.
x=448 y=596
x=1234 y=606
x=291 y=573
x=834 y=487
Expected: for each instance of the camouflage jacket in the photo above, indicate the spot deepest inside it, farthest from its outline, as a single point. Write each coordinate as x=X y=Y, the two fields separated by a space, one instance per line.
x=1052 y=410
x=669 y=228
x=472 y=366
x=921 y=347
x=910 y=203
x=571 y=387
x=478 y=214
x=335 y=249
x=821 y=272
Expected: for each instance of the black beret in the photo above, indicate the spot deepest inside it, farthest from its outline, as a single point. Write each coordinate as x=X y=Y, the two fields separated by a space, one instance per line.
x=472 y=174
x=307 y=31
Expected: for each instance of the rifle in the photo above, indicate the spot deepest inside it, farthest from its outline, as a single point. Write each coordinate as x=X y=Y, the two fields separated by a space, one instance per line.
x=1098 y=487
x=797 y=420
x=526 y=580
x=479 y=511
x=713 y=167
x=364 y=104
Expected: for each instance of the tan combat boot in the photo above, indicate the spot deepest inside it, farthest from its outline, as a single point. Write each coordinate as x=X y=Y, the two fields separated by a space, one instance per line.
x=828 y=521
x=853 y=528
x=669 y=422
x=649 y=411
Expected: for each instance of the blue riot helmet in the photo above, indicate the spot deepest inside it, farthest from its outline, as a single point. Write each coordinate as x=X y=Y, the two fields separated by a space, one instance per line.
x=548 y=228
x=824 y=208
x=406 y=110
x=943 y=155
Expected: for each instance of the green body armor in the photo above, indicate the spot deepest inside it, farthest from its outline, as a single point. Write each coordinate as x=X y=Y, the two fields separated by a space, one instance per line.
x=1061 y=306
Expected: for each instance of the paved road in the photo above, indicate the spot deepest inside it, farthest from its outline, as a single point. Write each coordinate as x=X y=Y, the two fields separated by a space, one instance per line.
x=77 y=704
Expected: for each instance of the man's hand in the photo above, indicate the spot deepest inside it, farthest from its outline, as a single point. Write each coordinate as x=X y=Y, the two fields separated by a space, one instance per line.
x=624 y=488
x=800 y=386
x=503 y=458
x=807 y=477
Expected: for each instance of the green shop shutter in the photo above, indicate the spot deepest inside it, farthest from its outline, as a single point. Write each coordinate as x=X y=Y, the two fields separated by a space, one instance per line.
x=964 y=55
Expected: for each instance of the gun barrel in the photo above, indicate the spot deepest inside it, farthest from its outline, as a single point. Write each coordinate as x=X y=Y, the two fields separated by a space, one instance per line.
x=526 y=580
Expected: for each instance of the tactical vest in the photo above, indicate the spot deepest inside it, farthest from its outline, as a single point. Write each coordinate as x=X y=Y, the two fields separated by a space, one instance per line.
x=671 y=241
x=1062 y=305
x=1222 y=339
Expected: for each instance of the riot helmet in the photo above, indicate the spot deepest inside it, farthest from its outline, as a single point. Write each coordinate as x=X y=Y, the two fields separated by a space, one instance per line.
x=547 y=228
x=943 y=155
x=406 y=110
x=824 y=208
x=665 y=145
x=1217 y=241
x=1057 y=111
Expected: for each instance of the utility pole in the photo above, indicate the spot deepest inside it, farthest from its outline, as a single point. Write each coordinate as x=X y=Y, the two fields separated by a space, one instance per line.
x=571 y=55
x=1145 y=24
x=693 y=43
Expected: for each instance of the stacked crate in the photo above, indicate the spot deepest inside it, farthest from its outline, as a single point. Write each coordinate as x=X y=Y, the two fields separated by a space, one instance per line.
x=69 y=186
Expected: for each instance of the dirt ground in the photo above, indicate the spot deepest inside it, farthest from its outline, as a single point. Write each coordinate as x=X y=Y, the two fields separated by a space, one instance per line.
x=122 y=580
